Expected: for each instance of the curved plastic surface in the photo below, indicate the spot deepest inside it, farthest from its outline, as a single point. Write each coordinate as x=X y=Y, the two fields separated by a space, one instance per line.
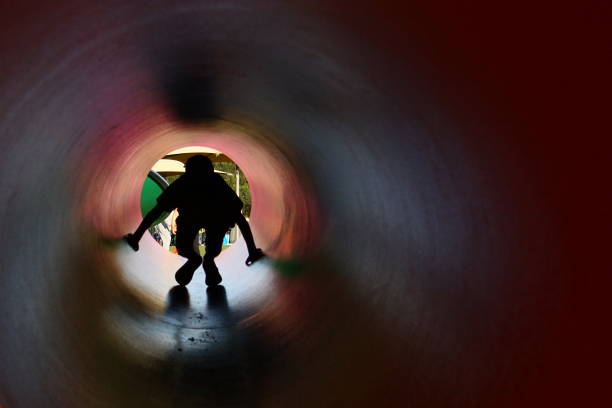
x=416 y=176
x=153 y=186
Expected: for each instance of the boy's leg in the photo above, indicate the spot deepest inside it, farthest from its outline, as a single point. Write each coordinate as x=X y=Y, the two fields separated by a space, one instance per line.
x=254 y=252
x=214 y=243
x=185 y=239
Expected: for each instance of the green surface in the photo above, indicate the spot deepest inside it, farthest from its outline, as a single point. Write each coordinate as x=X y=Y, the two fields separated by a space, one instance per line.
x=289 y=267
x=148 y=198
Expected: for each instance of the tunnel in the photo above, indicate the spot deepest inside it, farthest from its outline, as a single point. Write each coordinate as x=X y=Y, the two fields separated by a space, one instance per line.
x=425 y=180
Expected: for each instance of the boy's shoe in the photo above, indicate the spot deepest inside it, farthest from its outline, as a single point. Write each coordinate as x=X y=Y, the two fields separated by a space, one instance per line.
x=183 y=277
x=254 y=257
x=131 y=241
x=213 y=277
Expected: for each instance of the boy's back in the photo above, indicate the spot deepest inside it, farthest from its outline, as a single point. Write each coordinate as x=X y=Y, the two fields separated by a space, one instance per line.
x=205 y=199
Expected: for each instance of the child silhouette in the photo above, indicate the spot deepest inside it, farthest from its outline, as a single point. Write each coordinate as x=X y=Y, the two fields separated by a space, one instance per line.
x=203 y=200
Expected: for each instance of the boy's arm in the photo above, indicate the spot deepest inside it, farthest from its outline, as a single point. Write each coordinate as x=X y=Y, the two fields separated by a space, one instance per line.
x=133 y=239
x=254 y=253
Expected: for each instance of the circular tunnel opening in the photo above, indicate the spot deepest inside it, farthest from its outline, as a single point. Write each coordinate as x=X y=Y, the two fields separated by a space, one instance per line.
x=281 y=214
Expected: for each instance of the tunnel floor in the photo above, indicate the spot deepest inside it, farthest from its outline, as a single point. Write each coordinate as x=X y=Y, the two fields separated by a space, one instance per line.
x=194 y=336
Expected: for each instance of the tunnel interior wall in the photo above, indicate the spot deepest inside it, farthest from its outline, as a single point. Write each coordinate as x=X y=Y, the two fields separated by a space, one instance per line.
x=405 y=180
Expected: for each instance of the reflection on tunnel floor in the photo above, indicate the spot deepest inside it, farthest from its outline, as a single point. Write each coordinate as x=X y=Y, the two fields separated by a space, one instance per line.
x=218 y=363
x=195 y=341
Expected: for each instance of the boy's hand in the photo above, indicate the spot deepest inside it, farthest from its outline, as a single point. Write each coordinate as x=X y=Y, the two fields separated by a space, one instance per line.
x=254 y=257
x=131 y=241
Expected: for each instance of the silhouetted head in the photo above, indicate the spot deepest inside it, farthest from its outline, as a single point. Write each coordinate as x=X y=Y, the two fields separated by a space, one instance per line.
x=199 y=165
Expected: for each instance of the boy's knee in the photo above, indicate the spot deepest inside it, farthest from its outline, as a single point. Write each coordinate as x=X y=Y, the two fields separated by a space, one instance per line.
x=211 y=254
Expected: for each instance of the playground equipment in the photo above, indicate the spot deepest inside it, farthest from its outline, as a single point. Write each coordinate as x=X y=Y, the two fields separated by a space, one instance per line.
x=424 y=176
x=153 y=186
